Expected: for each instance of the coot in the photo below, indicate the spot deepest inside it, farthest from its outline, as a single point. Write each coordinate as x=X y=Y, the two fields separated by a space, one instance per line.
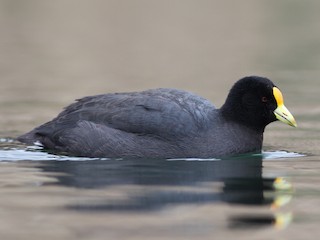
x=165 y=123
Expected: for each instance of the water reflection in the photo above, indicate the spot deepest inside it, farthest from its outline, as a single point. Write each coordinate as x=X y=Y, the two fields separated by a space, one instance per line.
x=279 y=221
x=103 y=173
x=149 y=185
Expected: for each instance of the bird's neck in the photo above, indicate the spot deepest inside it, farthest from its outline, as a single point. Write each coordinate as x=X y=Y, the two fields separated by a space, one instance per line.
x=235 y=114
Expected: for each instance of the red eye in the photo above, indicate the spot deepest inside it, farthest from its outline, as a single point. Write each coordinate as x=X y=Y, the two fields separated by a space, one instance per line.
x=264 y=99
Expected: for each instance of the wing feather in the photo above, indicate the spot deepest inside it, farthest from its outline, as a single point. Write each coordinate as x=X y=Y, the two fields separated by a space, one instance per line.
x=160 y=112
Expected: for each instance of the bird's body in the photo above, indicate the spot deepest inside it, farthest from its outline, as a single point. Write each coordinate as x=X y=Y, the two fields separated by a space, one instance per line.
x=166 y=123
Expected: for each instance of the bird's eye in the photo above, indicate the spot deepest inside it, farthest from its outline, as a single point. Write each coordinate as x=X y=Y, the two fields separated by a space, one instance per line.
x=264 y=99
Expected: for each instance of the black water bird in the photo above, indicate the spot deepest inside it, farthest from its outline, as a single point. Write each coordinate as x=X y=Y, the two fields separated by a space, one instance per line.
x=165 y=123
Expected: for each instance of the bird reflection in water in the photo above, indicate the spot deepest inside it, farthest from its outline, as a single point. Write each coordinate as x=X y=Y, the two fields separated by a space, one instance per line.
x=163 y=182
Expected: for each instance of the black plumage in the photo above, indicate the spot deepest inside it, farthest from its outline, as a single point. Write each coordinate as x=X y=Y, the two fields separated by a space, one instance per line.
x=166 y=123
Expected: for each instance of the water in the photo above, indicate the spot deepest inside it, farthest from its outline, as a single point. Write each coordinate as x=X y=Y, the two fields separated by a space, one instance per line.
x=184 y=198
x=53 y=53
x=149 y=198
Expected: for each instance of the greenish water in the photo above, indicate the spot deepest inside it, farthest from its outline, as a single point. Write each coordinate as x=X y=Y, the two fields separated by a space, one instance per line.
x=53 y=52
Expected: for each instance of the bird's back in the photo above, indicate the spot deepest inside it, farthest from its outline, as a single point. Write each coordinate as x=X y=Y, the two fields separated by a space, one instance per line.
x=150 y=123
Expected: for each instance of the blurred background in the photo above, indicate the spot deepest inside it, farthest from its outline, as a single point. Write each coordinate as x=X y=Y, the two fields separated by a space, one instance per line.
x=53 y=52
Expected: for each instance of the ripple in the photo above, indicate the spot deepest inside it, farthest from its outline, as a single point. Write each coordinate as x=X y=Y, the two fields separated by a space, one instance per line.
x=10 y=150
x=27 y=155
x=36 y=154
x=280 y=154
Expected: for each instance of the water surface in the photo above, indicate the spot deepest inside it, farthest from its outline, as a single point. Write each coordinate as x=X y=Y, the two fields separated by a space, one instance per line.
x=184 y=198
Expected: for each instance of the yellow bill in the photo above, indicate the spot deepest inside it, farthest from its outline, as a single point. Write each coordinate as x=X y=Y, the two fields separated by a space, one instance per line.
x=281 y=112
